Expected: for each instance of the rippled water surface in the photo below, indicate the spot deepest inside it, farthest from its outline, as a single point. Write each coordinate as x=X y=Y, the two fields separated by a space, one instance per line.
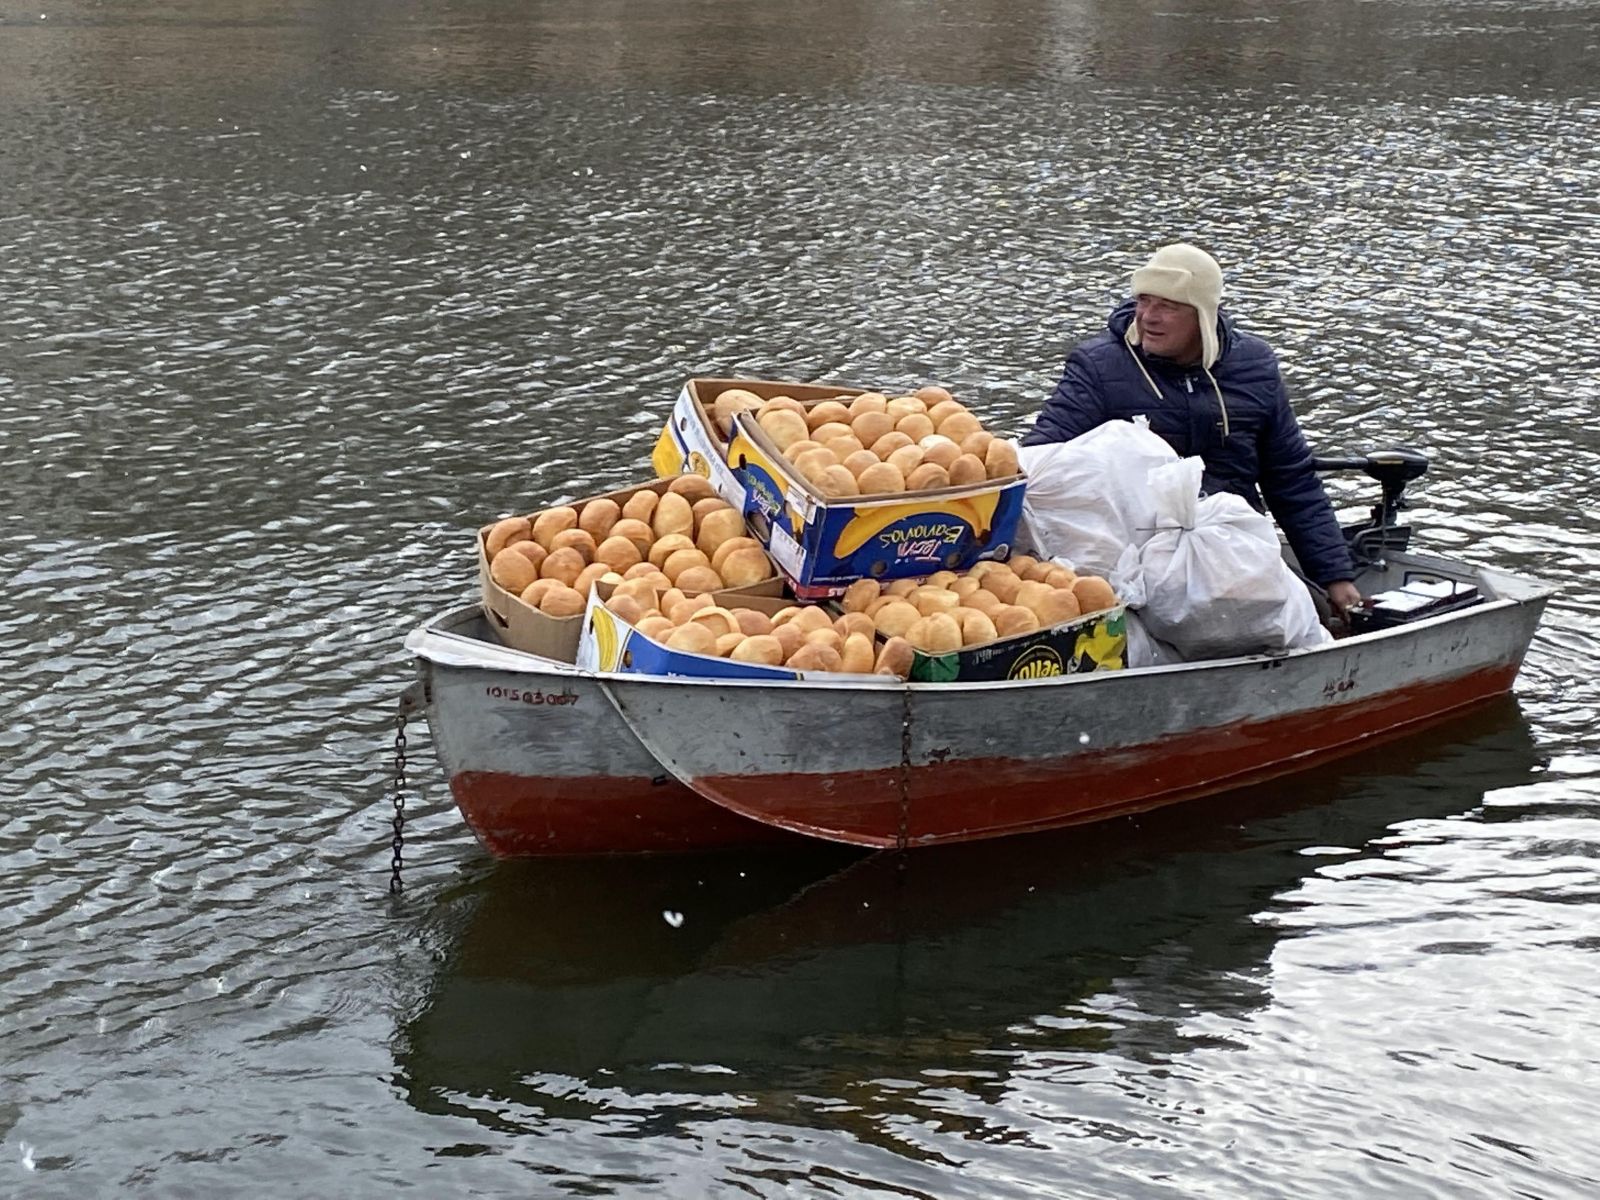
x=293 y=295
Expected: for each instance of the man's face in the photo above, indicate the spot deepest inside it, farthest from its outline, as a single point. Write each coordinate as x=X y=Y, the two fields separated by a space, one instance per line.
x=1168 y=329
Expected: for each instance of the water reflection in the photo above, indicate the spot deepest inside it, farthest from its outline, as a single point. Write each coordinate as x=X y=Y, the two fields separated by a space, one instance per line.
x=799 y=983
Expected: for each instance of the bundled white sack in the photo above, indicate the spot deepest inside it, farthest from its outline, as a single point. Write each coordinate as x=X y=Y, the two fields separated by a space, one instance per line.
x=1145 y=650
x=1215 y=582
x=1087 y=499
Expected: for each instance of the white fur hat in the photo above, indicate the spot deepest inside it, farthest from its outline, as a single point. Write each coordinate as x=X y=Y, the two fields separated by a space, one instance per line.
x=1184 y=274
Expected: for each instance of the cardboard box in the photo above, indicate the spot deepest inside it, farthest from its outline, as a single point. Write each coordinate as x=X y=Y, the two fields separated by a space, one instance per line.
x=824 y=545
x=690 y=440
x=523 y=627
x=821 y=545
x=609 y=643
x=1094 y=642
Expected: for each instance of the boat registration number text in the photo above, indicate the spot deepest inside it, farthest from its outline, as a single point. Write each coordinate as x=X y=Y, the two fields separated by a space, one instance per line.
x=536 y=696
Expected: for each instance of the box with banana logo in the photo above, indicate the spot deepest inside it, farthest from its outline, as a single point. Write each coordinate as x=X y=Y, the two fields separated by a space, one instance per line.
x=841 y=483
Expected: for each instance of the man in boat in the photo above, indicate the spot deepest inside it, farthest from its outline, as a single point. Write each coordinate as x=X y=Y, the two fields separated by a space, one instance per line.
x=1209 y=389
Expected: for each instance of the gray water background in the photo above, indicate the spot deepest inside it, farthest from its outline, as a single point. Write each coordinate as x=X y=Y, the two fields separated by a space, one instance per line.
x=292 y=296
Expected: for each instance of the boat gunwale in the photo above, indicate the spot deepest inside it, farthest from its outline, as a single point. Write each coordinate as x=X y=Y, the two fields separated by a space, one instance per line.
x=524 y=662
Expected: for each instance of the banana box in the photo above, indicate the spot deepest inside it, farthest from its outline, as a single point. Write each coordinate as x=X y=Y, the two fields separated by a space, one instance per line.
x=523 y=627
x=824 y=545
x=609 y=643
x=1093 y=642
x=691 y=442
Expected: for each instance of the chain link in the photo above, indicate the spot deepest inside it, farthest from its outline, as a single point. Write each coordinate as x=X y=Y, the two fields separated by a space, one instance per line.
x=398 y=842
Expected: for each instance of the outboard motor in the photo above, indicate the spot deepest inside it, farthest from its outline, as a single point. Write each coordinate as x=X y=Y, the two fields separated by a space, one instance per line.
x=1393 y=469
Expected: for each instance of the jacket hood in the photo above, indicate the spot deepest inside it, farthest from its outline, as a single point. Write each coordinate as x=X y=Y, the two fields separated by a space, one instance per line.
x=1122 y=318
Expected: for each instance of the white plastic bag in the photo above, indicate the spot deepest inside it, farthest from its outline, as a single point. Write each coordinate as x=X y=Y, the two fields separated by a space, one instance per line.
x=1215 y=581
x=1087 y=499
x=1144 y=650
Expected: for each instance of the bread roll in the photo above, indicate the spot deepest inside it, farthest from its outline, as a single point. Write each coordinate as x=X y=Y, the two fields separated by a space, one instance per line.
x=655 y=626
x=941 y=450
x=627 y=607
x=836 y=483
x=812 y=617
x=784 y=428
x=681 y=610
x=813 y=462
x=916 y=426
x=976 y=627
x=857 y=656
x=641 y=591
x=591 y=575
x=1060 y=577
x=889 y=443
x=855 y=622
x=535 y=591
x=927 y=477
x=895 y=657
x=580 y=540
x=705 y=506
x=680 y=561
x=932 y=394
x=692 y=488
x=636 y=531
x=868 y=402
x=1094 y=594
x=1012 y=620
x=938 y=634
x=673 y=515
x=859 y=594
x=744 y=568
x=720 y=555
x=718 y=620
x=1003 y=584
x=781 y=404
x=752 y=622
x=960 y=425
x=717 y=527
x=977 y=444
x=825 y=412
x=1000 y=459
x=967 y=470
x=598 y=516
x=563 y=602
x=692 y=639
x=984 y=601
x=1039 y=572
x=790 y=638
x=530 y=550
x=1031 y=593
x=870 y=426
x=941 y=579
x=1020 y=564
x=826 y=637
x=892 y=620
x=665 y=547
x=618 y=553
x=730 y=401
x=930 y=600
x=1058 y=606
x=796 y=449
x=513 y=571
x=502 y=533
x=762 y=649
x=902 y=587
x=940 y=409
x=902 y=407
x=640 y=506
x=823 y=434
x=811 y=657
x=858 y=462
x=843 y=447
x=700 y=579
x=565 y=564
x=905 y=460
x=965 y=586
x=551 y=522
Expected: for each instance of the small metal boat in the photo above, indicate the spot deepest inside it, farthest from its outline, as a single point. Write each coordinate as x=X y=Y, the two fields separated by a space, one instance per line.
x=546 y=759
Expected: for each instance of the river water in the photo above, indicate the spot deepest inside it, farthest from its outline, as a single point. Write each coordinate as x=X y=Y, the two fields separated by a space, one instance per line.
x=294 y=295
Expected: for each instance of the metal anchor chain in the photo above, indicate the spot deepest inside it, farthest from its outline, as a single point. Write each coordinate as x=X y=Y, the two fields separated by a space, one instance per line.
x=398 y=842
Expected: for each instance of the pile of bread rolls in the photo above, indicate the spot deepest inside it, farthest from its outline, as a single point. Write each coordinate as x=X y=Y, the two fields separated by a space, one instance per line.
x=802 y=637
x=686 y=537
x=875 y=445
x=948 y=611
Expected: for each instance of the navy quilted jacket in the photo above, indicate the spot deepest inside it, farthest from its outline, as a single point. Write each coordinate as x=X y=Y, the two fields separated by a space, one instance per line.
x=1263 y=455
